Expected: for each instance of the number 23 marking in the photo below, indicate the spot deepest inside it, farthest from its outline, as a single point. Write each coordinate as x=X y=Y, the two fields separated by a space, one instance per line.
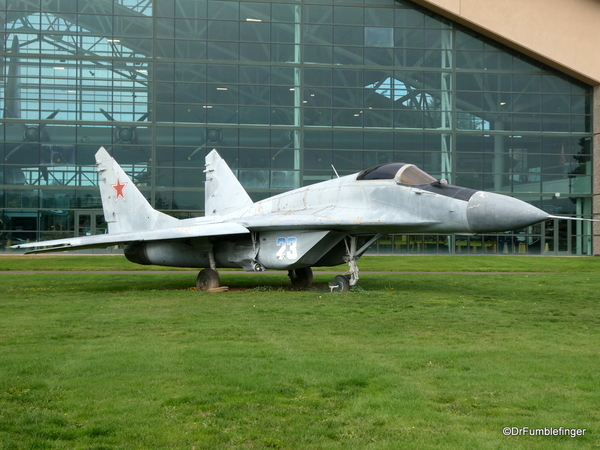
x=289 y=248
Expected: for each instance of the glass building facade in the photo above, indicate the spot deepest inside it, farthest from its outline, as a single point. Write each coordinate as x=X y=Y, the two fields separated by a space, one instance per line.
x=284 y=90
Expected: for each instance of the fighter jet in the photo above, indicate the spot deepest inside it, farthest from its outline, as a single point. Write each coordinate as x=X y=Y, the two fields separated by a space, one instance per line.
x=323 y=224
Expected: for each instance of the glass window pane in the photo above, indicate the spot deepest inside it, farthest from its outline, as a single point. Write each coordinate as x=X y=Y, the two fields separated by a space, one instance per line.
x=351 y=82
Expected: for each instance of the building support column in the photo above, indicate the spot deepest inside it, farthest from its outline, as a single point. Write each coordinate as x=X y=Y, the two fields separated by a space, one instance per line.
x=596 y=171
x=447 y=123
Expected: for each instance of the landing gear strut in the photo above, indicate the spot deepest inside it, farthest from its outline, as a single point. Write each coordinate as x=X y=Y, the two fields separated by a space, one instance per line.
x=342 y=283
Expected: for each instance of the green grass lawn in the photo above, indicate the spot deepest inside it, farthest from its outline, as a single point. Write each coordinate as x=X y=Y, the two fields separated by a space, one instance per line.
x=435 y=263
x=428 y=360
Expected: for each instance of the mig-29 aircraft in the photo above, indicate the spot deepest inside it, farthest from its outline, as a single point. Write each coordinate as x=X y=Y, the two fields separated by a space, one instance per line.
x=323 y=224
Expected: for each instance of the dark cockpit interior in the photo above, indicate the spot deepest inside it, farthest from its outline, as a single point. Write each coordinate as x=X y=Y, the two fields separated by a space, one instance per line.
x=411 y=175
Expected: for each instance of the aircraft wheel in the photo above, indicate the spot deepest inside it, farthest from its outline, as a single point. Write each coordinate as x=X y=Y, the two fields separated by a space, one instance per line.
x=208 y=279
x=301 y=278
x=341 y=283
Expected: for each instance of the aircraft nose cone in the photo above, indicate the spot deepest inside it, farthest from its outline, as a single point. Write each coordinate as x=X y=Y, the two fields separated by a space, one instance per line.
x=487 y=212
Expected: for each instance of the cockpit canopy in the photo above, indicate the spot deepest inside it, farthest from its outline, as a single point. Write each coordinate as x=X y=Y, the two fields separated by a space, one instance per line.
x=401 y=173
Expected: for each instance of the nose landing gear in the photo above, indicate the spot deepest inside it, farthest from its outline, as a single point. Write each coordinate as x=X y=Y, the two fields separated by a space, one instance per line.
x=343 y=283
x=340 y=283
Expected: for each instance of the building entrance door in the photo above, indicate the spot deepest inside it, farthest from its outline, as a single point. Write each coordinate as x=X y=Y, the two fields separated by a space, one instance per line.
x=556 y=237
x=90 y=223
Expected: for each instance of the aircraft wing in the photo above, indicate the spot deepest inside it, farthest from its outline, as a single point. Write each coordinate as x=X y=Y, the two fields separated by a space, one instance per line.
x=107 y=240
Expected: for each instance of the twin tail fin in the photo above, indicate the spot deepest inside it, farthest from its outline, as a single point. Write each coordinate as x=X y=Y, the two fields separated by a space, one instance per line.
x=125 y=207
x=127 y=210
x=223 y=191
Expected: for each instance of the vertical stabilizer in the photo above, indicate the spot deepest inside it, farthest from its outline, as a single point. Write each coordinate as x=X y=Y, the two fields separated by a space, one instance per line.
x=223 y=192
x=125 y=207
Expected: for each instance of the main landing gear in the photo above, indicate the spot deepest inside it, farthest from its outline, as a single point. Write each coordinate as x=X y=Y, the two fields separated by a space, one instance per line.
x=208 y=279
x=301 y=278
x=343 y=283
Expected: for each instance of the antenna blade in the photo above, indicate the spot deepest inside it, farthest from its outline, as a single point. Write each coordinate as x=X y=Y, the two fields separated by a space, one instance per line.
x=336 y=174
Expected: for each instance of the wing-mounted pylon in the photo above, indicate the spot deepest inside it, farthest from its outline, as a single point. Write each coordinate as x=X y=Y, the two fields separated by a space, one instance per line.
x=223 y=192
x=125 y=207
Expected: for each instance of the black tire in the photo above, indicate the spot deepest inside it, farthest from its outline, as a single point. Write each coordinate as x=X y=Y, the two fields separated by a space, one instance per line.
x=301 y=278
x=208 y=279
x=340 y=283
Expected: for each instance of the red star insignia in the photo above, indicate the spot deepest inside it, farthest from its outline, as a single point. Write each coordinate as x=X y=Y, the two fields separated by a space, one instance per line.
x=118 y=187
